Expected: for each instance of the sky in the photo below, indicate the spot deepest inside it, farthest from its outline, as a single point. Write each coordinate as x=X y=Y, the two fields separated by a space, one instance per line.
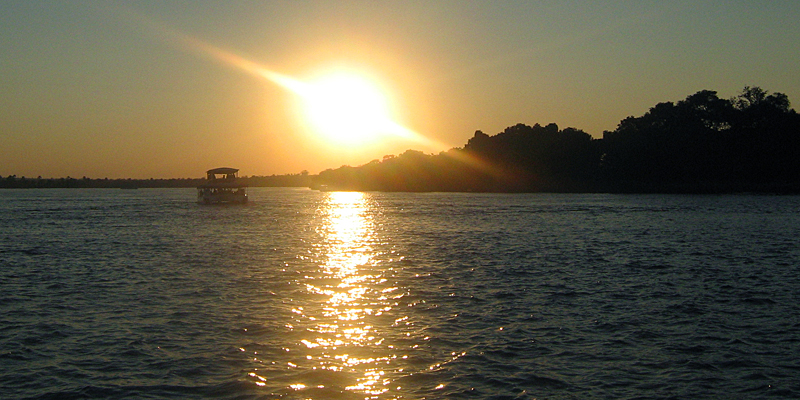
x=169 y=89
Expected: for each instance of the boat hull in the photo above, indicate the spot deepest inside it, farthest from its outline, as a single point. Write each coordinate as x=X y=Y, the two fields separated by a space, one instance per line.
x=221 y=196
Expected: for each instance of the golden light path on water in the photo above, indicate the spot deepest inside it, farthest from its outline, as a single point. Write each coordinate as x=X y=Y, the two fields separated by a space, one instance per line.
x=359 y=325
x=350 y=340
x=347 y=283
x=348 y=234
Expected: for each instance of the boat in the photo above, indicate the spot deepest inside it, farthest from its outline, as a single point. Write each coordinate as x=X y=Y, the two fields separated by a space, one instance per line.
x=222 y=187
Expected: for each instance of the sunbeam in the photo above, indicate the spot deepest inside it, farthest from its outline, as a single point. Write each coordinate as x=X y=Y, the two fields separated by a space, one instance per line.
x=342 y=106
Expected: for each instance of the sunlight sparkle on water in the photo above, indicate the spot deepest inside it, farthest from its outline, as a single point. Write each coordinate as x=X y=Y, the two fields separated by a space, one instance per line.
x=351 y=290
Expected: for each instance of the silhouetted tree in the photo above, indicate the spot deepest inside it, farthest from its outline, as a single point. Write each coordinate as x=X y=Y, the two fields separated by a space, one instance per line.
x=706 y=143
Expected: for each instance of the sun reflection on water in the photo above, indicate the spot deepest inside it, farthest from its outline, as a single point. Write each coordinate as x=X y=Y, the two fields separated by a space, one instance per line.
x=341 y=335
x=349 y=326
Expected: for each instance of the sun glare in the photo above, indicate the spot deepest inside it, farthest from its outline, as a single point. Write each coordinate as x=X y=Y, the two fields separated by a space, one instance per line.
x=347 y=109
x=343 y=107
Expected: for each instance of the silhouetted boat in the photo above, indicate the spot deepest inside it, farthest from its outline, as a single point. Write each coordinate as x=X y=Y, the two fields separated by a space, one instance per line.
x=222 y=187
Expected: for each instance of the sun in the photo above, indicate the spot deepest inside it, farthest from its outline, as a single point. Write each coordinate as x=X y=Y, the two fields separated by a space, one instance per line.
x=347 y=109
x=342 y=106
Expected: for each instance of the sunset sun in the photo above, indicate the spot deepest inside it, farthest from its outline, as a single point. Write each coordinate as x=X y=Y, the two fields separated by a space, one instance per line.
x=347 y=109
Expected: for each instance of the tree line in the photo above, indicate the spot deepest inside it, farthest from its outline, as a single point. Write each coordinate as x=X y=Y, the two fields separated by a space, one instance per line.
x=14 y=182
x=702 y=144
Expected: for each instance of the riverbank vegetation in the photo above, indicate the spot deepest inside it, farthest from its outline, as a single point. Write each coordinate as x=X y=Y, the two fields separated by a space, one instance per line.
x=702 y=144
x=12 y=181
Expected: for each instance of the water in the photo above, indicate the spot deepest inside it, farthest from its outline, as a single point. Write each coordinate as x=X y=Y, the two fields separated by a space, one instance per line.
x=310 y=295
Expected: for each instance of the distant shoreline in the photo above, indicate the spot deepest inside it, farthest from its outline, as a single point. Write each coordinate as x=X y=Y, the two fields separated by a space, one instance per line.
x=789 y=188
x=14 y=182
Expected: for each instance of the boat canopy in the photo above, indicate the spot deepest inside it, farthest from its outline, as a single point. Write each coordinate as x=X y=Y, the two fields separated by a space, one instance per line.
x=223 y=170
x=225 y=173
x=222 y=178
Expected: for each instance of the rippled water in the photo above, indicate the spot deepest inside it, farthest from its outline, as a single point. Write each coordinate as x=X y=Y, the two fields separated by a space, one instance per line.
x=309 y=295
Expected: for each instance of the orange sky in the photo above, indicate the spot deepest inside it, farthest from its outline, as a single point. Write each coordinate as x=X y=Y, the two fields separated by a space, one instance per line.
x=151 y=89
